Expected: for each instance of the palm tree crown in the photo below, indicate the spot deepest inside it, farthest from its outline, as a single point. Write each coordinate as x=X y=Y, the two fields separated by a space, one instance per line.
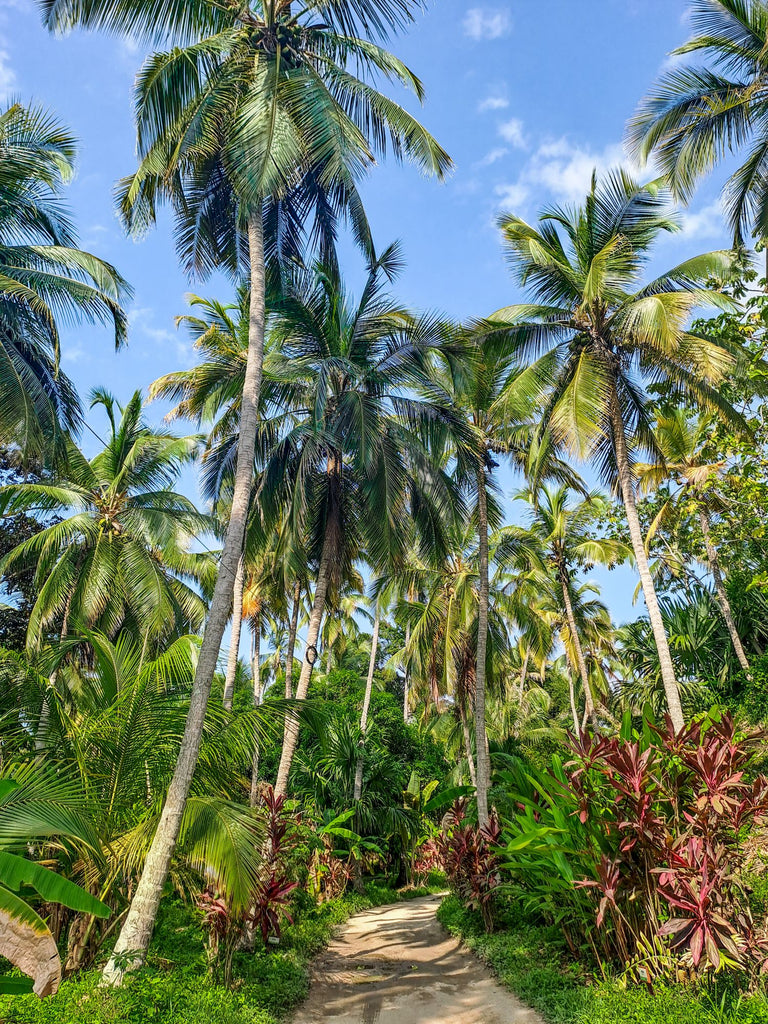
x=45 y=280
x=598 y=337
x=119 y=555
x=697 y=115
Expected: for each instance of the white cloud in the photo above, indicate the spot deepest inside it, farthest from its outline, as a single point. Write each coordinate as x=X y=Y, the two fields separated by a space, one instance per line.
x=512 y=132
x=492 y=157
x=72 y=353
x=565 y=169
x=141 y=319
x=7 y=76
x=704 y=223
x=486 y=23
x=511 y=196
x=492 y=103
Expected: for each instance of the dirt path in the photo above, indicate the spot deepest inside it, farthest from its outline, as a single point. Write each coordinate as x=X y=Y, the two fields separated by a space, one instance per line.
x=397 y=965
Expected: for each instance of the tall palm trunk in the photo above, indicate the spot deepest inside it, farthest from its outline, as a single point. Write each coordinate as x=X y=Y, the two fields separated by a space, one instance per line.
x=578 y=649
x=133 y=940
x=523 y=675
x=292 y=630
x=649 y=591
x=467 y=743
x=722 y=595
x=572 y=698
x=407 y=679
x=258 y=697
x=234 y=642
x=291 y=731
x=366 y=705
x=483 y=771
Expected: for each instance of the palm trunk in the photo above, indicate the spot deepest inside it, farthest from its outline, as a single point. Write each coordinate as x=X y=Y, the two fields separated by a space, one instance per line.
x=234 y=643
x=133 y=941
x=292 y=640
x=578 y=649
x=407 y=679
x=523 y=675
x=258 y=697
x=483 y=770
x=468 y=744
x=722 y=596
x=572 y=697
x=291 y=731
x=649 y=591
x=366 y=705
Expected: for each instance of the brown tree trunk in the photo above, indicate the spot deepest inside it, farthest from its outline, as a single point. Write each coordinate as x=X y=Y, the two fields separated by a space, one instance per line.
x=234 y=643
x=293 y=629
x=366 y=705
x=572 y=698
x=468 y=744
x=291 y=731
x=722 y=595
x=649 y=591
x=581 y=662
x=135 y=935
x=258 y=697
x=483 y=770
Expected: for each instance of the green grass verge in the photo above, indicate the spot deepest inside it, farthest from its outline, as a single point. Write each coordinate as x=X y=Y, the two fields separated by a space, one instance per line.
x=530 y=960
x=174 y=987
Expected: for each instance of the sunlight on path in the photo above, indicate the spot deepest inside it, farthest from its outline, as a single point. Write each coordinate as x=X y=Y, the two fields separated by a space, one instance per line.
x=397 y=965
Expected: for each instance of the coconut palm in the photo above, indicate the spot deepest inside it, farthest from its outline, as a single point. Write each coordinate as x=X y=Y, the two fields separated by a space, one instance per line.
x=117 y=555
x=698 y=115
x=682 y=440
x=598 y=337
x=476 y=379
x=559 y=540
x=257 y=115
x=351 y=465
x=45 y=280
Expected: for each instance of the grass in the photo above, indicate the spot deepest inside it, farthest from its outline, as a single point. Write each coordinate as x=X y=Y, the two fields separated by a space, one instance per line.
x=530 y=960
x=174 y=987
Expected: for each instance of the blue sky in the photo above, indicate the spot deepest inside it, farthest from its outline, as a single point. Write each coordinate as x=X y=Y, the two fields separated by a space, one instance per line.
x=527 y=96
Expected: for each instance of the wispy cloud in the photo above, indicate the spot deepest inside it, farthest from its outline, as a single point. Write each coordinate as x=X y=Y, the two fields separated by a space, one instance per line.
x=492 y=157
x=706 y=222
x=492 y=103
x=141 y=320
x=512 y=132
x=487 y=23
x=7 y=76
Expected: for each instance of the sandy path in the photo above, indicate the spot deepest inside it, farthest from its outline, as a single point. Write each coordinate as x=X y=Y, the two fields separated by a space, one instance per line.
x=397 y=965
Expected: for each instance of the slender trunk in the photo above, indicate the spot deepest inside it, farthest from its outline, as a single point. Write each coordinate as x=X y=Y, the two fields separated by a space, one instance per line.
x=407 y=679
x=258 y=697
x=572 y=697
x=135 y=935
x=234 y=643
x=649 y=591
x=483 y=771
x=292 y=640
x=523 y=675
x=581 y=662
x=45 y=708
x=291 y=731
x=468 y=745
x=366 y=706
x=722 y=595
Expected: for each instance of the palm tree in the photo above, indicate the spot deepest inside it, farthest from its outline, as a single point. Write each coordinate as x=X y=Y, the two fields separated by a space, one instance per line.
x=698 y=115
x=476 y=378
x=560 y=538
x=44 y=280
x=350 y=466
x=255 y=116
x=117 y=555
x=682 y=440
x=605 y=336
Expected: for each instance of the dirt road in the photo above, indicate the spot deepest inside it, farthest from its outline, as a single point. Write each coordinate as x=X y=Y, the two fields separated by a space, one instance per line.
x=397 y=965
